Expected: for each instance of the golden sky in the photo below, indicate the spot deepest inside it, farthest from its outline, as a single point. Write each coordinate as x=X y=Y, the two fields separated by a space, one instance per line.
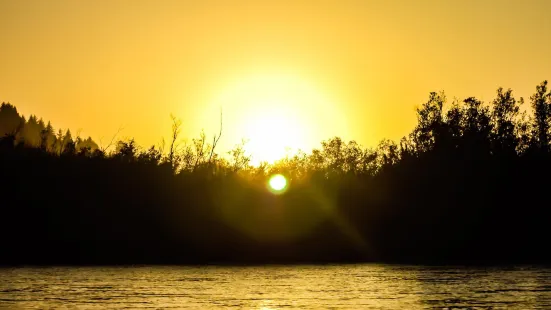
x=294 y=72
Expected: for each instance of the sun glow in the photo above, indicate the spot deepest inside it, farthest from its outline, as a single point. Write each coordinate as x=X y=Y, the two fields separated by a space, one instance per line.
x=277 y=114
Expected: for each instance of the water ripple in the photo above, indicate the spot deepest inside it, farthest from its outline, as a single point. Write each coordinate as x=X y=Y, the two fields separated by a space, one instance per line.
x=277 y=287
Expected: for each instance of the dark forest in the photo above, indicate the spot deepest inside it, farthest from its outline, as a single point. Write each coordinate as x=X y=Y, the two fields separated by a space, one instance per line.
x=469 y=185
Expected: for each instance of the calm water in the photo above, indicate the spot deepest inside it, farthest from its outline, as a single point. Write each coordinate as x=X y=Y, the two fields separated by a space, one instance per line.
x=276 y=287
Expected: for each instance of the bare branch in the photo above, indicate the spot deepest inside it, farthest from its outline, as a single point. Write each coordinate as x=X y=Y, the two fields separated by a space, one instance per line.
x=162 y=145
x=199 y=149
x=176 y=128
x=104 y=149
x=216 y=138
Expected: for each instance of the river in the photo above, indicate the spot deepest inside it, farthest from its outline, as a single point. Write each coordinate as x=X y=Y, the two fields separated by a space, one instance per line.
x=364 y=286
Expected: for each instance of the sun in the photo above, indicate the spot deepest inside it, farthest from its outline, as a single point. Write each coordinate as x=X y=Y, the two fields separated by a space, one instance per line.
x=277 y=184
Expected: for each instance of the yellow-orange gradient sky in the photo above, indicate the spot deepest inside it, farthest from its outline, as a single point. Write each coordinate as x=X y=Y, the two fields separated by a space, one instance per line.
x=290 y=73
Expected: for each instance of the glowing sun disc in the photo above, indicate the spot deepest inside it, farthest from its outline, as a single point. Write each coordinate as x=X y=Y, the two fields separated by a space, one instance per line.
x=277 y=183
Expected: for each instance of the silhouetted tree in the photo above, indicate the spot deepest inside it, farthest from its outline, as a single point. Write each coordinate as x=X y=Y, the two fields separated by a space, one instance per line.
x=477 y=126
x=150 y=156
x=429 y=122
x=239 y=160
x=9 y=119
x=69 y=145
x=541 y=106
x=505 y=111
x=126 y=151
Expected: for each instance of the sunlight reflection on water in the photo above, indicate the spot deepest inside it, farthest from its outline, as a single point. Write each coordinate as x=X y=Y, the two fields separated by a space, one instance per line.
x=276 y=287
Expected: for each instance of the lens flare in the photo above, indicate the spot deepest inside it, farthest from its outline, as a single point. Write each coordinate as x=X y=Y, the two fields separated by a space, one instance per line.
x=277 y=184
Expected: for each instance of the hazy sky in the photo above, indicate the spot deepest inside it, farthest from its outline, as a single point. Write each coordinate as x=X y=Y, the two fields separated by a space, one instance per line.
x=307 y=70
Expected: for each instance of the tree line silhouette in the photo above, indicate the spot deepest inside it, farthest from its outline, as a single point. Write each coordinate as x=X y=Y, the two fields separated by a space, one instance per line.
x=469 y=184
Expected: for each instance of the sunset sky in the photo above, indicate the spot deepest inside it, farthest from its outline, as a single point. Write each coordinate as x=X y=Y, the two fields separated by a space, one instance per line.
x=291 y=73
